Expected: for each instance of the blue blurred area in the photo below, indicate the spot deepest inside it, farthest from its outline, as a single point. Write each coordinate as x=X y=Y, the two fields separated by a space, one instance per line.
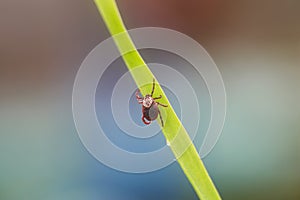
x=256 y=46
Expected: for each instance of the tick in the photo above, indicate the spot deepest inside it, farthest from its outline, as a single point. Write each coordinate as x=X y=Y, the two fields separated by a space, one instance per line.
x=150 y=108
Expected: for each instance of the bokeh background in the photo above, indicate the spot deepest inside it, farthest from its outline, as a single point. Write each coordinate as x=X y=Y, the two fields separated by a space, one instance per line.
x=255 y=44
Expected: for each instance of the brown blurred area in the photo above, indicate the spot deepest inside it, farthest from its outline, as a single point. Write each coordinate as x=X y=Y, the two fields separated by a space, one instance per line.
x=43 y=42
x=267 y=19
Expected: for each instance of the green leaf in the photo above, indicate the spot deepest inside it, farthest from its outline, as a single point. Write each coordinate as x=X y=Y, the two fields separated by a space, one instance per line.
x=176 y=136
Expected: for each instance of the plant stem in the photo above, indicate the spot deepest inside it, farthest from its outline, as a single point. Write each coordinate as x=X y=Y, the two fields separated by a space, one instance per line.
x=174 y=132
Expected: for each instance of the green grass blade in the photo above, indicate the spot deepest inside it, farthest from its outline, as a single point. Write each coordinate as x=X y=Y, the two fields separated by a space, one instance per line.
x=174 y=132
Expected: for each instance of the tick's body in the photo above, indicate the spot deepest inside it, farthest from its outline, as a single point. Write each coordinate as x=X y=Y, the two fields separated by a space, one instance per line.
x=150 y=108
x=150 y=113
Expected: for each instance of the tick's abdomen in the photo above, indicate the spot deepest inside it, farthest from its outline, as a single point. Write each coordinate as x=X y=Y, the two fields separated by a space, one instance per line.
x=151 y=113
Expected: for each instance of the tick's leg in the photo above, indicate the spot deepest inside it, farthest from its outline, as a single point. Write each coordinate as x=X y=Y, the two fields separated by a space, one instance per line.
x=137 y=94
x=163 y=105
x=161 y=120
x=145 y=122
x=157 y=97
x=153 y=87
x=138 y=98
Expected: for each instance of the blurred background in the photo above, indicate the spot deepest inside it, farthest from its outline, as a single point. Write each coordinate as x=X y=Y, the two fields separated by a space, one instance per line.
x=255 y=44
